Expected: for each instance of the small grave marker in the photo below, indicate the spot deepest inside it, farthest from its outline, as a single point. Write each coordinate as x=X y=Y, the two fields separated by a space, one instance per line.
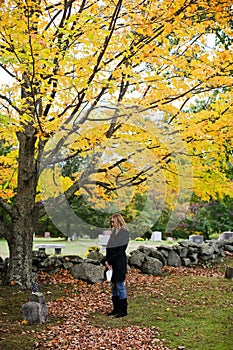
x=196 y=239
x=156 y=236
x=229 y=272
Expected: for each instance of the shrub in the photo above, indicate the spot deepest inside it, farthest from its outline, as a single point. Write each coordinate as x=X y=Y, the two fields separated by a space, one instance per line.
x=93 y=248
x=214 y=236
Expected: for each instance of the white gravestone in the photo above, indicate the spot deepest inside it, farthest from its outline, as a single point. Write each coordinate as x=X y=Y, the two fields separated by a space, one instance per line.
x=156 y=236
x=226 y=235
x=103 y=239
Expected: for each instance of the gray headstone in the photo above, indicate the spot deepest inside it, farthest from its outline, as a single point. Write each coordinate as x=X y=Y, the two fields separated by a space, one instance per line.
x=196 y=239
x=35 y=313
x=35 y=310
x=226 y=235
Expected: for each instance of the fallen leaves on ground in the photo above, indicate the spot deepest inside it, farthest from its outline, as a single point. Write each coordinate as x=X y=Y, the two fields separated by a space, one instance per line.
x=75 y=331
x=71 y=312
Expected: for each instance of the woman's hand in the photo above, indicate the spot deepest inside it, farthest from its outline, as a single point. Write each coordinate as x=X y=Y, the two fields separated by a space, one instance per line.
x=108 y=266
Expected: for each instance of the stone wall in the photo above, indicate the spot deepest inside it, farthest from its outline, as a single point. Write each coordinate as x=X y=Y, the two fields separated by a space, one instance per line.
x=149 y=260
x=186 y=253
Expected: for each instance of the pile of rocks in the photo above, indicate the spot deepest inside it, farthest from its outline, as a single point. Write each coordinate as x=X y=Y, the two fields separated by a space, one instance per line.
x=186 y=253
x=149 y=260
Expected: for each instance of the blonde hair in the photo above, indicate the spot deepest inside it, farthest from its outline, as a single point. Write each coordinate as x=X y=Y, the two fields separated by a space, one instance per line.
x=120 y=222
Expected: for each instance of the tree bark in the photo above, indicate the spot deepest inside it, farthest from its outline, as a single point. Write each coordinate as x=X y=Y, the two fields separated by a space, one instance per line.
x=24 y=217
x=19 y=269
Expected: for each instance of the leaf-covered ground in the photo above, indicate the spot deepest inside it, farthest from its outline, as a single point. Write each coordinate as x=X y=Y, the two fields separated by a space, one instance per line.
x=184 y=308
x=74 y=316
x=76 y=332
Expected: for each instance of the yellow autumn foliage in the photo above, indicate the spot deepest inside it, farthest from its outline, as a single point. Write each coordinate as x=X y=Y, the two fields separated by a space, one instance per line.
x=118 y=86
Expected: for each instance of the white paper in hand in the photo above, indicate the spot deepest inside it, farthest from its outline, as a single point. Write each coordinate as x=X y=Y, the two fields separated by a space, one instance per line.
x=109 y=275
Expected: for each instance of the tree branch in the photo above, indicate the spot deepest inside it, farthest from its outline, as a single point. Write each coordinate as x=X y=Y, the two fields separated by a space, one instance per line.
x=8 y=72
x=10 y=103
x=6 y=206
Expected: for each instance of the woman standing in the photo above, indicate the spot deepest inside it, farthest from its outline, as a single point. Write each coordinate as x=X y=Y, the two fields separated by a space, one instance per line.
x=117 y=260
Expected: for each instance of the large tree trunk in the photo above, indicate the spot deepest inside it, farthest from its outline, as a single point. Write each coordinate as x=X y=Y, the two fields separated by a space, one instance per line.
x=19 y=270
x=23 y=217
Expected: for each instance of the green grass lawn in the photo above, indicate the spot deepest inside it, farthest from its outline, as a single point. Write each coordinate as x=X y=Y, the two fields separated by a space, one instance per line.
x=190 y=311
x=77 y=247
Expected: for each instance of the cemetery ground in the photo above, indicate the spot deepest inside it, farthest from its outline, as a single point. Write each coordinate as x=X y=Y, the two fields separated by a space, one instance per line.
x=76 y=247
x=184 y=308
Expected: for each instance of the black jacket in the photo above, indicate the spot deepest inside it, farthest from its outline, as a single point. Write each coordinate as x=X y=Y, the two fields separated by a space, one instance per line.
x=116 y=254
